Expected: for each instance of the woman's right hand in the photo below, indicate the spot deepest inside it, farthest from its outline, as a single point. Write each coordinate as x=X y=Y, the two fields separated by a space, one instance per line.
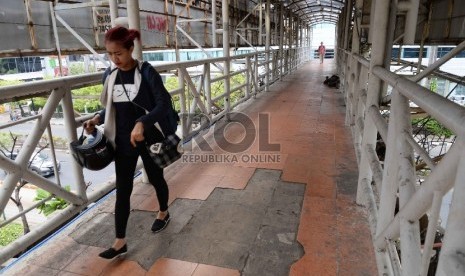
x=89 y=125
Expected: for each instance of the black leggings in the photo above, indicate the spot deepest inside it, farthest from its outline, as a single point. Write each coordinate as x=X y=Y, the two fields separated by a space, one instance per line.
x=125 y=166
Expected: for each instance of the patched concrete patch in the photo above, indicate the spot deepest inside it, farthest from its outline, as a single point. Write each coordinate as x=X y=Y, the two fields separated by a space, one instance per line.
x=252 y=230
x=347 y=183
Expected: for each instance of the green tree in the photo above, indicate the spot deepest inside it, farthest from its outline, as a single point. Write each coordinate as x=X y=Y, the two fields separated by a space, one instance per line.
x=433 y=85
x=432 y=126
x=87 y=98
x=39 y=103
x=10 y=233
x=94 y=90
x=217 y=88
x=171 y=83
x=77 y=68
x=9 y=82
x=50 y=206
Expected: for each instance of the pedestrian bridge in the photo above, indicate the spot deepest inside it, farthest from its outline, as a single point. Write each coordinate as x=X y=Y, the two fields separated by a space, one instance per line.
x=288 y=209
x=278 y=185
x=281 y=175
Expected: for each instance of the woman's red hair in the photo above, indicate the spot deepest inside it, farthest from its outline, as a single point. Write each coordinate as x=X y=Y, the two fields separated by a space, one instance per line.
x=122 y=35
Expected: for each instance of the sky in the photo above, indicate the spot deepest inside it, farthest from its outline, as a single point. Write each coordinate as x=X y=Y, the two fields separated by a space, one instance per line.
x=324 y=33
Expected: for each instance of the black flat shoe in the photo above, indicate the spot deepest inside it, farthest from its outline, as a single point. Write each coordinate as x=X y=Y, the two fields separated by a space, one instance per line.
x=111 y=253
x=160 y=224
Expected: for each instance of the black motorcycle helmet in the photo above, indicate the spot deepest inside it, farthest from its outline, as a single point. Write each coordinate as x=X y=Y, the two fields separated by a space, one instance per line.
x=93 y=154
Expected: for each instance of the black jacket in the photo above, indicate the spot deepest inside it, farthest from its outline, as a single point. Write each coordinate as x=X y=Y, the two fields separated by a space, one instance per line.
x=152 y=96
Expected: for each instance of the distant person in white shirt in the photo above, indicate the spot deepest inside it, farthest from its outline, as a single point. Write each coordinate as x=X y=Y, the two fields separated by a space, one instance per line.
x=321 y=52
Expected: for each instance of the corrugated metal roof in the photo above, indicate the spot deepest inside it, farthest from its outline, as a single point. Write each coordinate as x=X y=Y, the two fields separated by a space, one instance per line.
x=316 y=11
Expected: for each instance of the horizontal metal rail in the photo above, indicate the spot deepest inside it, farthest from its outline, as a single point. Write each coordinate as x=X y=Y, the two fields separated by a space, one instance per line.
x=59 y=90
x=446 y=112
x=25 y=211
x=444 y=176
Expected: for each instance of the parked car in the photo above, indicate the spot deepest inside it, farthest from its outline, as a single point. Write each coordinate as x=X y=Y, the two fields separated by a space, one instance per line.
x=42 y=164
x=39 y=163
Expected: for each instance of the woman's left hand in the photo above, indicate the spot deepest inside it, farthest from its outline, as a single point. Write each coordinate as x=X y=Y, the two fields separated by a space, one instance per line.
x=137 y=133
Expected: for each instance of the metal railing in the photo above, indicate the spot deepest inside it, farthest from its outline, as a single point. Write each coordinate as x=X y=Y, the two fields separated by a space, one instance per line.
x=195 y=79
x=390 y=190
x=328 y=55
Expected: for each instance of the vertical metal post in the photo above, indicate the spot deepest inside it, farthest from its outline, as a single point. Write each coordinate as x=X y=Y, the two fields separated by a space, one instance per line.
x=285 y=41
x=356 y=88
x=361 y=89
x=214 y=23
x=311 y=41
x=248 y=78
x=341 y=24
x=431 y=232
x=372 y=21
x=289 y=49
x=96 y=34
x=432 y=56
x=380 y=23
x=390 y=172
x=389 y=40
x=248 y=32
x=349 y=93
x=134 y=23
x=55 y=34
x=255 y=75
x=291 y=42
x=348 y=17
x=70 y=127
x=409 y=230
x=260 y=20
x=267 y=44
x=336 y=44
x=53 y=152
x=274 y=40
x=30 y=24
x=182 y=103
x=346 y=80
x=352 y=98
x=357 y=23
x=451 y=260
x=207 y=87
x=167 y=25
x=420 y=56
x=113 y=12
x=411 y=22
x=227 y=63
x=294 y=43
x=360 y=108
x=281 y=41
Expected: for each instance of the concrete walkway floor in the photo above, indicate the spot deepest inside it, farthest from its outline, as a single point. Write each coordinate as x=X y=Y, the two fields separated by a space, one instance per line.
x=275 y=195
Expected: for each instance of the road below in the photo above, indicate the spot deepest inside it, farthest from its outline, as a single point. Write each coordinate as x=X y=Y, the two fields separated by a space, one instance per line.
x=66 y=175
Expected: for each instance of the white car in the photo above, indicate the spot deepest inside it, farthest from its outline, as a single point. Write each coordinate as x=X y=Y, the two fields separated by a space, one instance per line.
x=39 y=163
x=42 y=164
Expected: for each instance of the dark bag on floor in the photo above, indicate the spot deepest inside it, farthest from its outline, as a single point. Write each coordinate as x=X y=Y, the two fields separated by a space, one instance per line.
x=333 y=81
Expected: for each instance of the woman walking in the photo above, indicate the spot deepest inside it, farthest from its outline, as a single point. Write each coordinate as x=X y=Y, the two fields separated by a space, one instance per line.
x=322 y=52
x=127 y=94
